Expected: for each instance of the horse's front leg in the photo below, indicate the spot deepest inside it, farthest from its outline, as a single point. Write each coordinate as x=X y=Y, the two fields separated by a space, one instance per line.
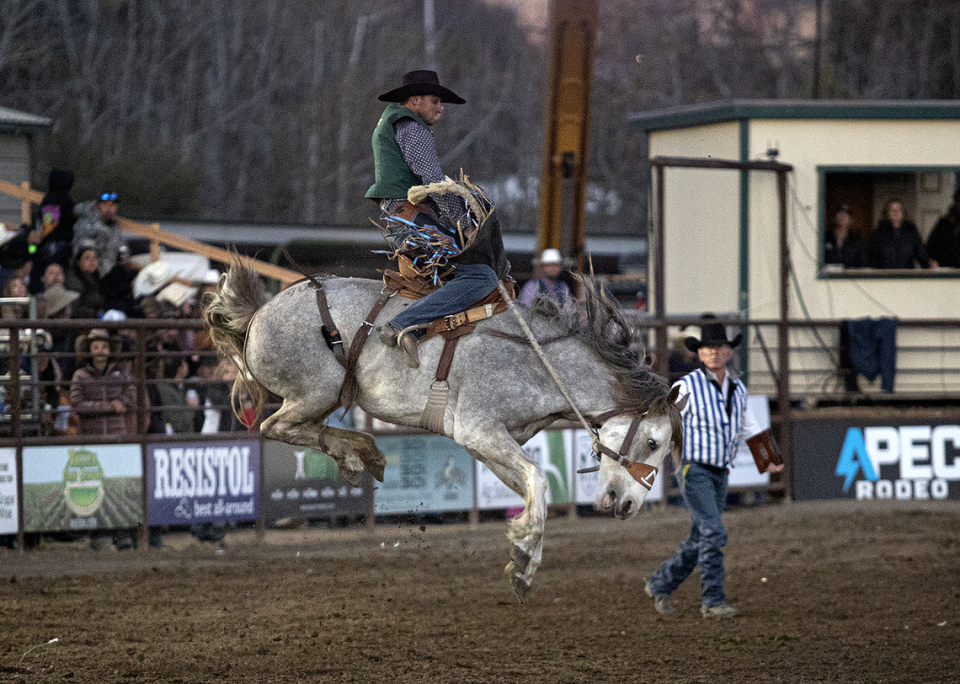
x=504 y=457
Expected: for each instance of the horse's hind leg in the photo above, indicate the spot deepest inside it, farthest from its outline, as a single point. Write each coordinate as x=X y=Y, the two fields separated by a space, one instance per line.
x=353 y=451
x=504 y=457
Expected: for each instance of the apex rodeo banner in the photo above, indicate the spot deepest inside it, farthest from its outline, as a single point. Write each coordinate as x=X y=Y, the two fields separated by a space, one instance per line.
x=303 y=483
x=203 y=482
x=843 y=458
x=77 y=488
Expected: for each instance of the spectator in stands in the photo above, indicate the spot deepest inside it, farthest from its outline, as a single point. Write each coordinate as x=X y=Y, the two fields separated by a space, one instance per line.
x=943 y=245
x=51 y=380
x=843 y=246
x=57 y=303
x=53 y=274
x=15 y=287
x=896 y=242
x=52 y=237
x=546 y=281
x=83 y=277
x=118 y=284
x=97 y=223
x=179 y=410
x=15 y=260
x=218 y=415
x=101 y=391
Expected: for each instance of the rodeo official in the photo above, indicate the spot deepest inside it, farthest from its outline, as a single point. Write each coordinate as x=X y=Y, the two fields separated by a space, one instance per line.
x=715 y=419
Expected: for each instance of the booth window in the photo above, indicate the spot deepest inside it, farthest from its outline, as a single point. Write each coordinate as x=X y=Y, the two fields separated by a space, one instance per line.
x=858 y=238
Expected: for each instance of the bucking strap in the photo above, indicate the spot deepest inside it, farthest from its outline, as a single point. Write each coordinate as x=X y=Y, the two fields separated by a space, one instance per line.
x=349 y=390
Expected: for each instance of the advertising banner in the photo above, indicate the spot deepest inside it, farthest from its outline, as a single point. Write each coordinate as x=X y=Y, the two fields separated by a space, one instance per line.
x=8 y=491
x=203 y=482
x=76 y=488
x=303 y=483
x=547 y=449
x=424 y=473
x=844 y=458
x=586 y=483
x=743 y=469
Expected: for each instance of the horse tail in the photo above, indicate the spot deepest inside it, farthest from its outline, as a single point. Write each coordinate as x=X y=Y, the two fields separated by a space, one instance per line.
x=228 y=312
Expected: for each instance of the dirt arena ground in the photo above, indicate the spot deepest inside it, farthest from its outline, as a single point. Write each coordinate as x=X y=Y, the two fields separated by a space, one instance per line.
x=864 y=592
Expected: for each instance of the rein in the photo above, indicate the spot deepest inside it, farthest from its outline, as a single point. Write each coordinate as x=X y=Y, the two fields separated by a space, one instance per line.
x=641 y=472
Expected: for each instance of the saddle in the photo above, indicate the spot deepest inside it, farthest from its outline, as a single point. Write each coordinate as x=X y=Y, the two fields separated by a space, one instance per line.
x=410 y=283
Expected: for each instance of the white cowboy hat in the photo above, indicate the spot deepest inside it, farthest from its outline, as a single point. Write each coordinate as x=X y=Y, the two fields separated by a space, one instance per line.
x=56 y=297
x=152 y=278
x=211 y=277
x=177 y=294
x=551 y=256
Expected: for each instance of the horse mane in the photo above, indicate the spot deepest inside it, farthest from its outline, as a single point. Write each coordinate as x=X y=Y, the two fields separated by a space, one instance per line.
x=596 y=320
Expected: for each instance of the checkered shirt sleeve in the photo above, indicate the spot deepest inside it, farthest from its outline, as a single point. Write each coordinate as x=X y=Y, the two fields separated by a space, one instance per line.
x=420 y=152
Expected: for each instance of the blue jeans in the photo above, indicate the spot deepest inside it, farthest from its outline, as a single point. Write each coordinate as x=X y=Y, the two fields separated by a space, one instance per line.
x=470 y=284
x=704 y=491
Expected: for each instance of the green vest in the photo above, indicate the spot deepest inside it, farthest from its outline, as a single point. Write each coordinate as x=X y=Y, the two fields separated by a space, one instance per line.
x=392 y=173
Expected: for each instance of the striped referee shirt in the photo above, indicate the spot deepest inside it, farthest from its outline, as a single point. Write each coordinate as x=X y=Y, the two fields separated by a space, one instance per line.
x=715 y=418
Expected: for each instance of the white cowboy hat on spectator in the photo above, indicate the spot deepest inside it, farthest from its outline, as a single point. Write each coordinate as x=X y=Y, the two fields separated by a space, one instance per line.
x=152 y=278
x=114 y=315
x=55 y=298
x=211 y=277
x=82 y=345
x=177 y=294
x=551 y=256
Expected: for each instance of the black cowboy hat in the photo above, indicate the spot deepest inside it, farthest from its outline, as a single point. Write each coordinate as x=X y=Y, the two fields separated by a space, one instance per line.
x=712 y=335
x=422 y=82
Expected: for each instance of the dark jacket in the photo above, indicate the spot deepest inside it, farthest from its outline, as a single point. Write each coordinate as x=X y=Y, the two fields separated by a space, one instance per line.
x=91 y=393
x=943 y=245
x=91 y=301
x=58 y=204
x=892 y=248
x=852 y=253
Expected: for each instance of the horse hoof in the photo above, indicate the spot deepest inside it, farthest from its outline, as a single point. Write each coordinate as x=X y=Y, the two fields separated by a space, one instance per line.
x=352 y=477
x=376 y=467
x=520 y=588
x=521 y=559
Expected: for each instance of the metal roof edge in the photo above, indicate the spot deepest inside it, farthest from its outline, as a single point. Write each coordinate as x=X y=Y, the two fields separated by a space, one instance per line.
x=725 y=111
x=12 y=119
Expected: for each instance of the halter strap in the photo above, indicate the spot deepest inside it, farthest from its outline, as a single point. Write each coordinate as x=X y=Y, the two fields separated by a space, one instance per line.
x=643 y=473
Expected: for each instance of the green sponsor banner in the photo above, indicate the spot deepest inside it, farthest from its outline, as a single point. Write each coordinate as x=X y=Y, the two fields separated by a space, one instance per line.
x=548 y=450
x=424 y=473
x=74 y=488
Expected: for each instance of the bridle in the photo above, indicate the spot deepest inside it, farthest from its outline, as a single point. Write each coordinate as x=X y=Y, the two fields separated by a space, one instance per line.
x=643 y=473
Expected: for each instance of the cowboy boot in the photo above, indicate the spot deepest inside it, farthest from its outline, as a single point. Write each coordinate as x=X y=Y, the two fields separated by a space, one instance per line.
x=388 y=335
x=410 y=349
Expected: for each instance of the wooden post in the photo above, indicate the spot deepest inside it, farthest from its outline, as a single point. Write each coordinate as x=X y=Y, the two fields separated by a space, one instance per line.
x=25 y=203
x=155 y=244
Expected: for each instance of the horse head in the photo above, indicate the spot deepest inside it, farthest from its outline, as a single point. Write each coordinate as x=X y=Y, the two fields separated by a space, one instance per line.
x=645 y=440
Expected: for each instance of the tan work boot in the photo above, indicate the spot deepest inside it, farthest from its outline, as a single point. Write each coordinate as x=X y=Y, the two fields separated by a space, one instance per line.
x=661 y=602
x=410 y=349
x=721 y=611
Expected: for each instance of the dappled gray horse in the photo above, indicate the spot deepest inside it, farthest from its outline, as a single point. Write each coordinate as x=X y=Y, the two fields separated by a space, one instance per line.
x=500 y=392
